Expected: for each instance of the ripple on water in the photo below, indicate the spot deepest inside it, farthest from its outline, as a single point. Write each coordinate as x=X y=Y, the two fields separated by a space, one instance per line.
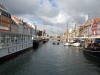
x=51 y=59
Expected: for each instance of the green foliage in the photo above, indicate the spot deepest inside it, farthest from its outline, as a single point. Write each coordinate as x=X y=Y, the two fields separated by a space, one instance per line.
x=51 y=36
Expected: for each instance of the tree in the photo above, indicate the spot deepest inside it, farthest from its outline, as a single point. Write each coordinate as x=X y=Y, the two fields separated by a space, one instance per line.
x=51 y=36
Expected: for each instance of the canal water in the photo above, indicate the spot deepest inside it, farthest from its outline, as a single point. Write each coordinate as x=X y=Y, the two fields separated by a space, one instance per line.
x=51 y=59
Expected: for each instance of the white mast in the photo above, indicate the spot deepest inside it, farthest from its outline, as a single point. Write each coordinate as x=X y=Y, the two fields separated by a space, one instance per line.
x=67 y=31
x=89 y=24
x=75 y=24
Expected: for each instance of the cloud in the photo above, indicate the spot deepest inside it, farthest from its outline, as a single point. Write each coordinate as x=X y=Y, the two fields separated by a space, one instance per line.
x=61 y=18
x=53 y=14
x=51 y=29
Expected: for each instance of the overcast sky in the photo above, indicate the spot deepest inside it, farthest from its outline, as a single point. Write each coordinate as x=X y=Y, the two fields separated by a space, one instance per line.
x=53 y=15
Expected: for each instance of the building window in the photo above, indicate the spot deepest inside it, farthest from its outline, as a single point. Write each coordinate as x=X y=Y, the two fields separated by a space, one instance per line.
x=2 y=40
x=98 y=28
x=16 y=39
x=12 y=39
x=0 y=12
x=8 y=39
x=24 y=38
x=19 y=40
x=99 y=32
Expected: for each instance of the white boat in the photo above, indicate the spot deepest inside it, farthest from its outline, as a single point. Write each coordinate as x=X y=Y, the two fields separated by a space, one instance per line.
x=66 y=44
x=67 y=41
x=72 y=41
x=77 y=44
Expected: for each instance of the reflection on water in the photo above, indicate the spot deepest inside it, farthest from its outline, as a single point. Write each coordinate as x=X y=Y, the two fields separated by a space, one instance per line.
x=93 y=60
x=51 y=59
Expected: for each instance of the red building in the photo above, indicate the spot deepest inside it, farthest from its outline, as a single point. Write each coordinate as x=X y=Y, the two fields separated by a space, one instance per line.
x=95 y=27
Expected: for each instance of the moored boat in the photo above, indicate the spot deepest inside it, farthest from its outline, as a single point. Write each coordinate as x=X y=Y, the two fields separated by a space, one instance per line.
x=66 y=44
x=77 y=44
x=45 y=40
x=56 y=43
x=67 y=40
x=93 y=49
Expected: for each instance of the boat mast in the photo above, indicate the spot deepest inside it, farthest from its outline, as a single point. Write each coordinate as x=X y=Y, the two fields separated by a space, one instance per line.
x=75 y=30
x=67 y=31
x=88 y=25
x=75 y=24
x=86 y=41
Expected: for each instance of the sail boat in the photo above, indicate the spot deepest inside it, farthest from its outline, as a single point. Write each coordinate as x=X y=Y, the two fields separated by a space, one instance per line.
x=76 y=43
x=67 y=41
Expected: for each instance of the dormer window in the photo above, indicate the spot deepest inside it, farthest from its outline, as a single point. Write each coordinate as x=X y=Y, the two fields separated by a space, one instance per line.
x=99 y=25
x=0 y=12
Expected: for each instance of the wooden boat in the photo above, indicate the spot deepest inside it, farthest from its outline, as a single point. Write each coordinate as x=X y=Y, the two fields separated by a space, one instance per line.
x=93 y=49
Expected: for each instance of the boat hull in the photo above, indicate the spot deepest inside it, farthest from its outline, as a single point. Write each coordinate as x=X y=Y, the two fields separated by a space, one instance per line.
x=76 y=44
x=92 y=52
x=45 y=40
x=56 y=43
x=66 y=44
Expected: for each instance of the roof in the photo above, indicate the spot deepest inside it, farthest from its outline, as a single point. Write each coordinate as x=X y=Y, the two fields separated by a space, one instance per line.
x=28 y=25
x=13 y=22
x=2 y=7
x=88 y=22
x=96 y=20
x=16 y=20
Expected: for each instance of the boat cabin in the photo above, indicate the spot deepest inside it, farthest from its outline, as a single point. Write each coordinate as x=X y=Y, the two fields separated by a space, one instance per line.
x=95 y=44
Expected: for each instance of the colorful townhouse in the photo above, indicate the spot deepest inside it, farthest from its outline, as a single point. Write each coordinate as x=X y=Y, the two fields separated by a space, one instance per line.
x=96 y=27
x=87 y=28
